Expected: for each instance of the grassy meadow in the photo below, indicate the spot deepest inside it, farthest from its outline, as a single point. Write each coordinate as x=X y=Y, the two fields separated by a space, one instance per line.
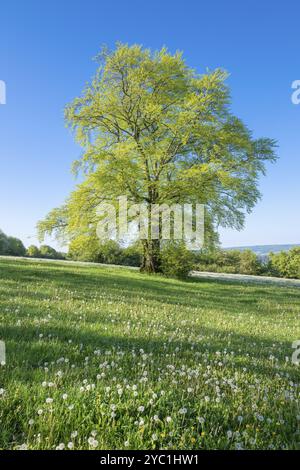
x=108 y=358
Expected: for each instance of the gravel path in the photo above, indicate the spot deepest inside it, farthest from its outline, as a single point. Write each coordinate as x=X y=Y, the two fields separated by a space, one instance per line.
x=246 y=278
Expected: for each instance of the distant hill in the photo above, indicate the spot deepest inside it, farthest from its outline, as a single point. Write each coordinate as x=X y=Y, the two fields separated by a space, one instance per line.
x=263 y=250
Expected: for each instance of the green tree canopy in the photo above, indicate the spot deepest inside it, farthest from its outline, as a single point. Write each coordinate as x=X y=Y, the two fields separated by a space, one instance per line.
x=155 y=130
x=47 y=251
x=16 y=247
x=33 y=252
x=286 y=263
x=11 y=246
x=4 y=244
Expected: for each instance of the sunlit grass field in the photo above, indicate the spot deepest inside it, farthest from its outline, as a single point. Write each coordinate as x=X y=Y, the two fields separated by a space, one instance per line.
x=108 y=358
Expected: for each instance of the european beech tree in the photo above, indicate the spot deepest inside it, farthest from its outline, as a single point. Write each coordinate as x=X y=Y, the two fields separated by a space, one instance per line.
x=155 y=130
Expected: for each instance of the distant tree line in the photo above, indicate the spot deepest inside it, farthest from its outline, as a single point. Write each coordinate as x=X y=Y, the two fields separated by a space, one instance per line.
x=88 y=248
x=284 y=264
x=44 y=251
x=176 y=260
x=12 y=246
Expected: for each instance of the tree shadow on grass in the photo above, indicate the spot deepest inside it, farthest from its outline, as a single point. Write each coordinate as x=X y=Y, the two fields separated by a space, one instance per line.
x=230 y=298
x=226 y=296
x=28 y=352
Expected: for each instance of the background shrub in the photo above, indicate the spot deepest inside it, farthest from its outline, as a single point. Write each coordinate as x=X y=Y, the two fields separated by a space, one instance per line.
x=33 y=252
x=286 y=263
x=176 y=260
x=229 y=261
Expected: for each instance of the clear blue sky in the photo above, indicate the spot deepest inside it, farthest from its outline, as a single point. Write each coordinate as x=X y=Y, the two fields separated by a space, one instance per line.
x=46 y=51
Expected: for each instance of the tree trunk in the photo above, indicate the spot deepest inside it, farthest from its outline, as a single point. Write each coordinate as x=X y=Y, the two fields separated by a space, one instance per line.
x=151 y=257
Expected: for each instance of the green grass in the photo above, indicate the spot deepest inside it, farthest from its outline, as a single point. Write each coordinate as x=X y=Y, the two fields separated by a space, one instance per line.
x=141 y=362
